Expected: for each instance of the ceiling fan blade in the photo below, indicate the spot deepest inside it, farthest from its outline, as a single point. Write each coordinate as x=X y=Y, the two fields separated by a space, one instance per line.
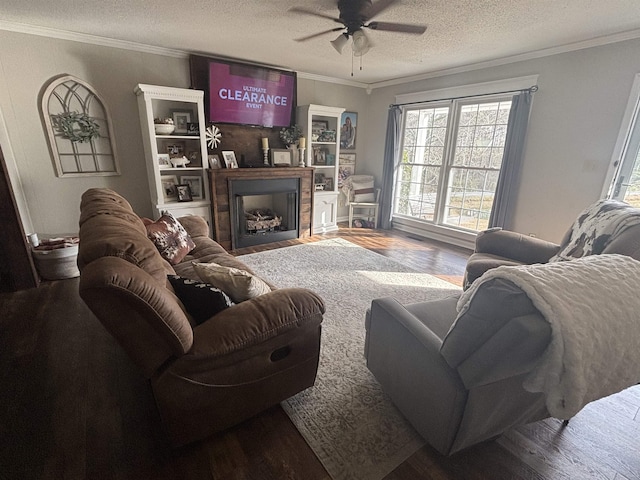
x=313 y=13
x=397 y=27
x=378 y=7
x=309 y=37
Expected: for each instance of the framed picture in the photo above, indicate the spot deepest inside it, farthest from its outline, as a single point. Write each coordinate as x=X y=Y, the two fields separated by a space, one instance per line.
x=214 y=161
x=175 y=149
x=195 y=185
x=320 y=156
x=348 y=123
x=163 y=161
x=184 y=193
x=328 y=183
x=347 y=158
x=169 y=190
x=281 y=157
x=194 y=158
x=193 y=128
x=317 y=127
x=180 y=120
x=229 y=159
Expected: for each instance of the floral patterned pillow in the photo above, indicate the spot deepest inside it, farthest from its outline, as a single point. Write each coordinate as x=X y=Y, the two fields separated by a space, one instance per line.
x=170 y=238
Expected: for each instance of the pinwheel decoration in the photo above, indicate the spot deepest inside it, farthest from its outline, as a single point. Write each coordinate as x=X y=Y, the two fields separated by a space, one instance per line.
x=213 y=135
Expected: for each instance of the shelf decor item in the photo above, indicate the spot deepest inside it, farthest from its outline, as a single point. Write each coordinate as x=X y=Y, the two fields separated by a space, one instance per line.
x=163 y=126
x=281 y=157
x=184 y=193
x=180 y=120
x=195 y=185
x=229 y=159
x=213 y=135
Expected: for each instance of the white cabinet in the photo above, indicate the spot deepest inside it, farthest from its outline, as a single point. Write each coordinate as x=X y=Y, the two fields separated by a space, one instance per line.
x=321 y=127
x=162 y=151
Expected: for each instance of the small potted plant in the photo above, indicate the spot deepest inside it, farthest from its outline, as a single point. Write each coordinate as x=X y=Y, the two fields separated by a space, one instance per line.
x=290 y=135
x=163 y=126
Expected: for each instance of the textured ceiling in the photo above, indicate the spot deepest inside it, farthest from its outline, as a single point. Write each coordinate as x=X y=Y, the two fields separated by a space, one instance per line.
x=460 y=32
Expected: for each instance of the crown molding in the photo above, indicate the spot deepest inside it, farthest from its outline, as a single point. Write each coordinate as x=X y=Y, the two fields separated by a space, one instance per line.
x=92 y=39
x=570 y=47
x=139 y=47
x=341 y=81
x=170 y=52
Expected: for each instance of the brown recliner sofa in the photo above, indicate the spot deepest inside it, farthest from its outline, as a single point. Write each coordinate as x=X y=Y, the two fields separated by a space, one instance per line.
x=205 y=377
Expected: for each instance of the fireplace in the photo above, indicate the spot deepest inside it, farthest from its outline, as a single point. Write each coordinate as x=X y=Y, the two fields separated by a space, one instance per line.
x=264 y=210
x=284 y=193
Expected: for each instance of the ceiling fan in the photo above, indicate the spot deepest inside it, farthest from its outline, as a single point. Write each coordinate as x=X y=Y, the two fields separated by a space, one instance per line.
x=355 y=15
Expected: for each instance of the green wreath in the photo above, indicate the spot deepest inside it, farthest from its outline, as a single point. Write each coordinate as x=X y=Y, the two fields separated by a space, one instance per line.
x=77 y=127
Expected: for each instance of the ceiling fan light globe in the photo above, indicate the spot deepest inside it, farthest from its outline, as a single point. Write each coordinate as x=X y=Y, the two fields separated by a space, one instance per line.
x=360 y=43
x=340 y=42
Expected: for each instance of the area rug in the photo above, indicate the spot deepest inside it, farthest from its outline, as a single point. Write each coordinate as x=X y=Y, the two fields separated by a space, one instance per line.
x=349 y=423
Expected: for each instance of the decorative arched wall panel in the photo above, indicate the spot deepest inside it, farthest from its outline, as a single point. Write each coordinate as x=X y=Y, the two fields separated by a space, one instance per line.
x=79 y=129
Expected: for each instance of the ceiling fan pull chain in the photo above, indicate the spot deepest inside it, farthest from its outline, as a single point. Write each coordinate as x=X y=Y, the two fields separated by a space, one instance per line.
x=352 y=55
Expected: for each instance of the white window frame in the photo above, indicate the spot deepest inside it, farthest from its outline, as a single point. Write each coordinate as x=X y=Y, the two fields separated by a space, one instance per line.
x=442 y=232
x=630 y=122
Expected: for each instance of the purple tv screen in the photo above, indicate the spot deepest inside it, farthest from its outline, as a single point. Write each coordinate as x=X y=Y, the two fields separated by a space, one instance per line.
x=250 y=95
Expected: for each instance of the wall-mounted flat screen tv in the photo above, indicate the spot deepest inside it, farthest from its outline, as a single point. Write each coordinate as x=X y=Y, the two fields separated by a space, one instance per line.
x=244 y=94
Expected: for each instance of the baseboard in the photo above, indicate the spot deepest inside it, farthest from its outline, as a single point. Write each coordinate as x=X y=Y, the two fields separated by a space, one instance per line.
x=440 y=234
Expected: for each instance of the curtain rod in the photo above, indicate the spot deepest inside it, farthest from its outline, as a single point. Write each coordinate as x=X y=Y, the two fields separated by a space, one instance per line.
x=531 y=89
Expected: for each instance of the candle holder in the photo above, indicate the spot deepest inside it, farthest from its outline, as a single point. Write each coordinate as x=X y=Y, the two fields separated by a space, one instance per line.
x=265 y=153
x=301 y=160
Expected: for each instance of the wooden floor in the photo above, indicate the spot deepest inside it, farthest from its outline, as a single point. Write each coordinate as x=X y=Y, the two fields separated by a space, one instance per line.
x=72 y=406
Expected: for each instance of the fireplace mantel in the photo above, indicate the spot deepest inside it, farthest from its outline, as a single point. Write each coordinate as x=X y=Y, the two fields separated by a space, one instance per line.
x=220 y=182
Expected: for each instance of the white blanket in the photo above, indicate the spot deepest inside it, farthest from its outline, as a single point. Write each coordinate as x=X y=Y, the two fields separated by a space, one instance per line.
x=593 y=306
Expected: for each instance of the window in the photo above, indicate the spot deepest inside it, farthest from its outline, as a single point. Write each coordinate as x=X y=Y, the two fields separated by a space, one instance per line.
x=626 y=157
x=451 y=158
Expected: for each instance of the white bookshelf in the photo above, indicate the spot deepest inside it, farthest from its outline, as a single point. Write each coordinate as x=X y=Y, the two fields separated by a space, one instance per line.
x=161 y=102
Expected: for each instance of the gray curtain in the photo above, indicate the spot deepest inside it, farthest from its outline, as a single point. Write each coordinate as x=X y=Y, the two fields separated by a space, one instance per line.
x=507 y=189
x=391 y=162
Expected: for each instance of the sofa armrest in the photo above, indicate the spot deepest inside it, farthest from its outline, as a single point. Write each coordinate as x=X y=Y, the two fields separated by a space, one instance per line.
x=404 y=356
x=257 y=320
x=515 y=246
x=389 y=308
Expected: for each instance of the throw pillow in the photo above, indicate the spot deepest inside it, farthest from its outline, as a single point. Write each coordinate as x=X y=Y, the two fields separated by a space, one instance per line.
x=170 y=238
x=201 y=300
x=363 y=192
x=238 y=284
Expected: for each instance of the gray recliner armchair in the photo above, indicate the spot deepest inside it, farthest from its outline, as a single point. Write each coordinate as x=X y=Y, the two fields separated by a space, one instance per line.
x=459 y=376
x=607 y=226
x=521 y=344
x=459 y=385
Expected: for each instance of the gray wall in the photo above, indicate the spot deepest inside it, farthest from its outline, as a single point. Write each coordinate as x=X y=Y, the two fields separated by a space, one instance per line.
x=575 y=119
x=28 y=62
